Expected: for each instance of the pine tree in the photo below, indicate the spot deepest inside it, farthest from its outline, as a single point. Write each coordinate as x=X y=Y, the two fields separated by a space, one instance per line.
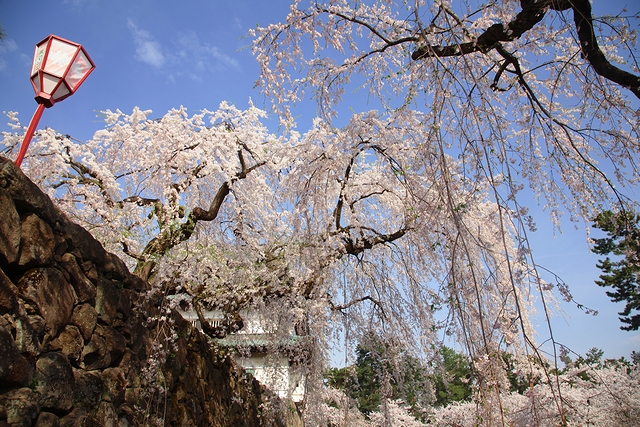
x=623 y=240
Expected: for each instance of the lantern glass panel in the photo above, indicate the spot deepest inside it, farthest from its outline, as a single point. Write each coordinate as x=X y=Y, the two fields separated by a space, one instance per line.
x=38 y=56
x=60 y=92
x=36 y=82
x=49 y=83
x=59 y=58
x=81 y=65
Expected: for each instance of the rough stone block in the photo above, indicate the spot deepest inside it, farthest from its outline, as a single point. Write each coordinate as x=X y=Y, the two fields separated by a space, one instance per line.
x=115 y=383
x=85 y=290
x=124 y=304
x=15 y=370
x=27 y=337
x=107 y=300
x=37 y=243
x=10 y=231
x=106 y=415
x=79 y=417
x=55 y=382
x=26 y=195
x=52 y=295
x=37 y=324
x=8 y=294
x=95 y=354
x=80 y=241
x=115 y=267
x=88 y=389
x=20 y=406
x=47 y=419
x=114 y=341
x=85 y=317
x=71 y=343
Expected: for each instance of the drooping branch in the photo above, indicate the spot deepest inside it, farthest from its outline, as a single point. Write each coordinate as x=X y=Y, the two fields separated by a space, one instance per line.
x=532 y=13
x=512 y=60
x=129 y=252
x=86 y=175
x=337 y=213
x=199 y=214
x=387 y=41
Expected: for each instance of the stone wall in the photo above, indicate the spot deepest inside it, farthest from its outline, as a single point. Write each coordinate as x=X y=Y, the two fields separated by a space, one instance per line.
x=76 y=344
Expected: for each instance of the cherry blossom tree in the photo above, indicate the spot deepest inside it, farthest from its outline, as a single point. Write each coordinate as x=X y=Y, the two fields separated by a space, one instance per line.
x=407 y=218
x=518 y=100
x=363 y=221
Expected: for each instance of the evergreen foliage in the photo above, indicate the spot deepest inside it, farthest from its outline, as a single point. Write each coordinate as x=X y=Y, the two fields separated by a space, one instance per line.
x=403 y=378
x=376 y=375
x=452 y=383
x=623 y=240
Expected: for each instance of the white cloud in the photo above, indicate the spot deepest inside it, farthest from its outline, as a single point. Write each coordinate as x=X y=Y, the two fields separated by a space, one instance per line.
x=74 y=2
x=147 y=49
x=187 y=57
x=6 y=46
x=198 y=57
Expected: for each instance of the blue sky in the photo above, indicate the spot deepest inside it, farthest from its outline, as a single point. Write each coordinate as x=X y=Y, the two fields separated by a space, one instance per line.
x=153 y=54
x=160 y=55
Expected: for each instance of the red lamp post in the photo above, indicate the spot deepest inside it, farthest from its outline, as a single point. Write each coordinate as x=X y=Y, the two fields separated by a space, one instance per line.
x=59 y=68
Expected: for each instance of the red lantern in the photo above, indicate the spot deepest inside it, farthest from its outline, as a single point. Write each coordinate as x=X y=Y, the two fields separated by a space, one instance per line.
x=59 y=68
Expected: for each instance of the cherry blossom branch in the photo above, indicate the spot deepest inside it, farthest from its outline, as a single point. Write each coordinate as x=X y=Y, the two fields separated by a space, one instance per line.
x=532 y=13
x=592 y=53
x=94 y=178
x=230 y=323
x=127 y=250
x=359 y=245
x=171 y=236
x=337 y=213
x=387 y=42
x=344 y=306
